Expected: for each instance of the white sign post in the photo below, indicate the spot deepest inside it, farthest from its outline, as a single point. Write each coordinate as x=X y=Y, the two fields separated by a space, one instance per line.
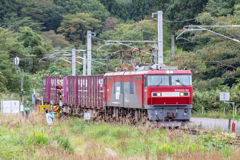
x=10 y=106
x=87 y=116
x=225 y=96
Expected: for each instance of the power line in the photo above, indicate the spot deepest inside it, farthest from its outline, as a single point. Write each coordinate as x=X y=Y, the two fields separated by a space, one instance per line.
x=98 y=38
x=197 y=17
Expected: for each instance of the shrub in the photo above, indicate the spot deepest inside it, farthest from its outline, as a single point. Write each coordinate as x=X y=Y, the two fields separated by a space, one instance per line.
x=38 y=138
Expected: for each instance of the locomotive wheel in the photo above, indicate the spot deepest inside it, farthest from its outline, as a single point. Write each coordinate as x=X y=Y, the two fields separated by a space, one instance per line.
x=121 y=120
x=148 y=124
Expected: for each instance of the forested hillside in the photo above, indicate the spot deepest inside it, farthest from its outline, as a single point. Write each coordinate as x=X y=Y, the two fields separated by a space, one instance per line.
x=31 y=29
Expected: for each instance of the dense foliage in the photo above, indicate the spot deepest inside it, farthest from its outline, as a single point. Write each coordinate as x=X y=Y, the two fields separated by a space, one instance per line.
x=31 y=29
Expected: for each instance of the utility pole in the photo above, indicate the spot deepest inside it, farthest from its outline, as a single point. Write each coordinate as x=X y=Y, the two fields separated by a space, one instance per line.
x=173 y=47
x=16 y=62
x=84 y=64
x=89 y=54
x=73 y=62
x=160 y=37
x=107 y=63
x=22 y=89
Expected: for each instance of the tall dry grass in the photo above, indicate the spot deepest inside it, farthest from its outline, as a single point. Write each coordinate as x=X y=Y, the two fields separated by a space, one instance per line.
x=76 y=139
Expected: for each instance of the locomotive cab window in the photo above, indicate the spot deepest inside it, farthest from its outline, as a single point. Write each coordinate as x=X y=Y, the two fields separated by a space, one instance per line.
x=168 y=80
x=181 y=80
x=158 y=80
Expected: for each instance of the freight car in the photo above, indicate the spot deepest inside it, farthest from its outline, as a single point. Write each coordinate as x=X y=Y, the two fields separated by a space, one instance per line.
x=160 y=96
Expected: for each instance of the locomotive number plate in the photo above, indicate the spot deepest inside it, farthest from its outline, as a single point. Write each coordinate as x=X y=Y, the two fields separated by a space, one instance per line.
x=181 y=90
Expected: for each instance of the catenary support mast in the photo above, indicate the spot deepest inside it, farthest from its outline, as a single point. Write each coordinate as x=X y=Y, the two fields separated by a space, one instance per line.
x=73 y=62
x=160 y=38
x=89 y=54
x=84 y=64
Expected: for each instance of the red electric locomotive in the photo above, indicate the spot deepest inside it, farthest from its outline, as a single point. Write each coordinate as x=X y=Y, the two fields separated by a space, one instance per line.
x=155 y=95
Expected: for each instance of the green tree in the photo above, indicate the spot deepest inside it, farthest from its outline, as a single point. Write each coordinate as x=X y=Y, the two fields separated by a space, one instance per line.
x=141 y=8
x=179 y=10
x=58 y=40
x=93 y=7
x=8 y=72
x=53 y=18
x=21 y=13
x=32 y=48
x=74 y=27
x=222 y=7
x=116 y=9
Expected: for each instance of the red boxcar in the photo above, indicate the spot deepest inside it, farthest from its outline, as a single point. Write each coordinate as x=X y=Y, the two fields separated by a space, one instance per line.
x=53 y=92
x=72 y=90
x=46 y=89
x=65 y=90
x=90 y=91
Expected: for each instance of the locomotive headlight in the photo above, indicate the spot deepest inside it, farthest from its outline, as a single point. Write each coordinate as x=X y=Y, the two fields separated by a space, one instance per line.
x=181 y=94
x=186 y=110
x=158 y=94
x=167 y=71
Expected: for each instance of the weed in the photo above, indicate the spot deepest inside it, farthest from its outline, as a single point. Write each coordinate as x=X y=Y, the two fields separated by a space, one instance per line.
x=64 y=142
x=38 y=138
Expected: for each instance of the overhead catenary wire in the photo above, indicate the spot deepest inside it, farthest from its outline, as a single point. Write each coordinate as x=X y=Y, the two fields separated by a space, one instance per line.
x=97 y=38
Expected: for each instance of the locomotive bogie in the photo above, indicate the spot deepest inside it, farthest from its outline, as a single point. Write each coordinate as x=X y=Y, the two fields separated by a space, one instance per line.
x=163 y=113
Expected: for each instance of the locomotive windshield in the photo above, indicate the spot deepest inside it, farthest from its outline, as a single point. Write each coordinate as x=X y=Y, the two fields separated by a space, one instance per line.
x=169 y=80
x=181 y=80
x=158 y=80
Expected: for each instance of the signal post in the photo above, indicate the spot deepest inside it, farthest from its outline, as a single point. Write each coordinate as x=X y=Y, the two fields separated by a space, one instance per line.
x=59 y=86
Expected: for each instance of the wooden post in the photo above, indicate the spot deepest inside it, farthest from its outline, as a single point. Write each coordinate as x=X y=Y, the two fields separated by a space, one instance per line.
x=229 y=124
x=233 y=127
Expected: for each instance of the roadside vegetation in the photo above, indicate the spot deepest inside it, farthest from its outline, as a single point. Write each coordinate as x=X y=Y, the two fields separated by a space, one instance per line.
x=215 y=115
x=76 y=139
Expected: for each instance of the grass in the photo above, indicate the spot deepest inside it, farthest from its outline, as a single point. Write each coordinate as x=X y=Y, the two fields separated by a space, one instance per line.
x=216 y=115
x=76 y=139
